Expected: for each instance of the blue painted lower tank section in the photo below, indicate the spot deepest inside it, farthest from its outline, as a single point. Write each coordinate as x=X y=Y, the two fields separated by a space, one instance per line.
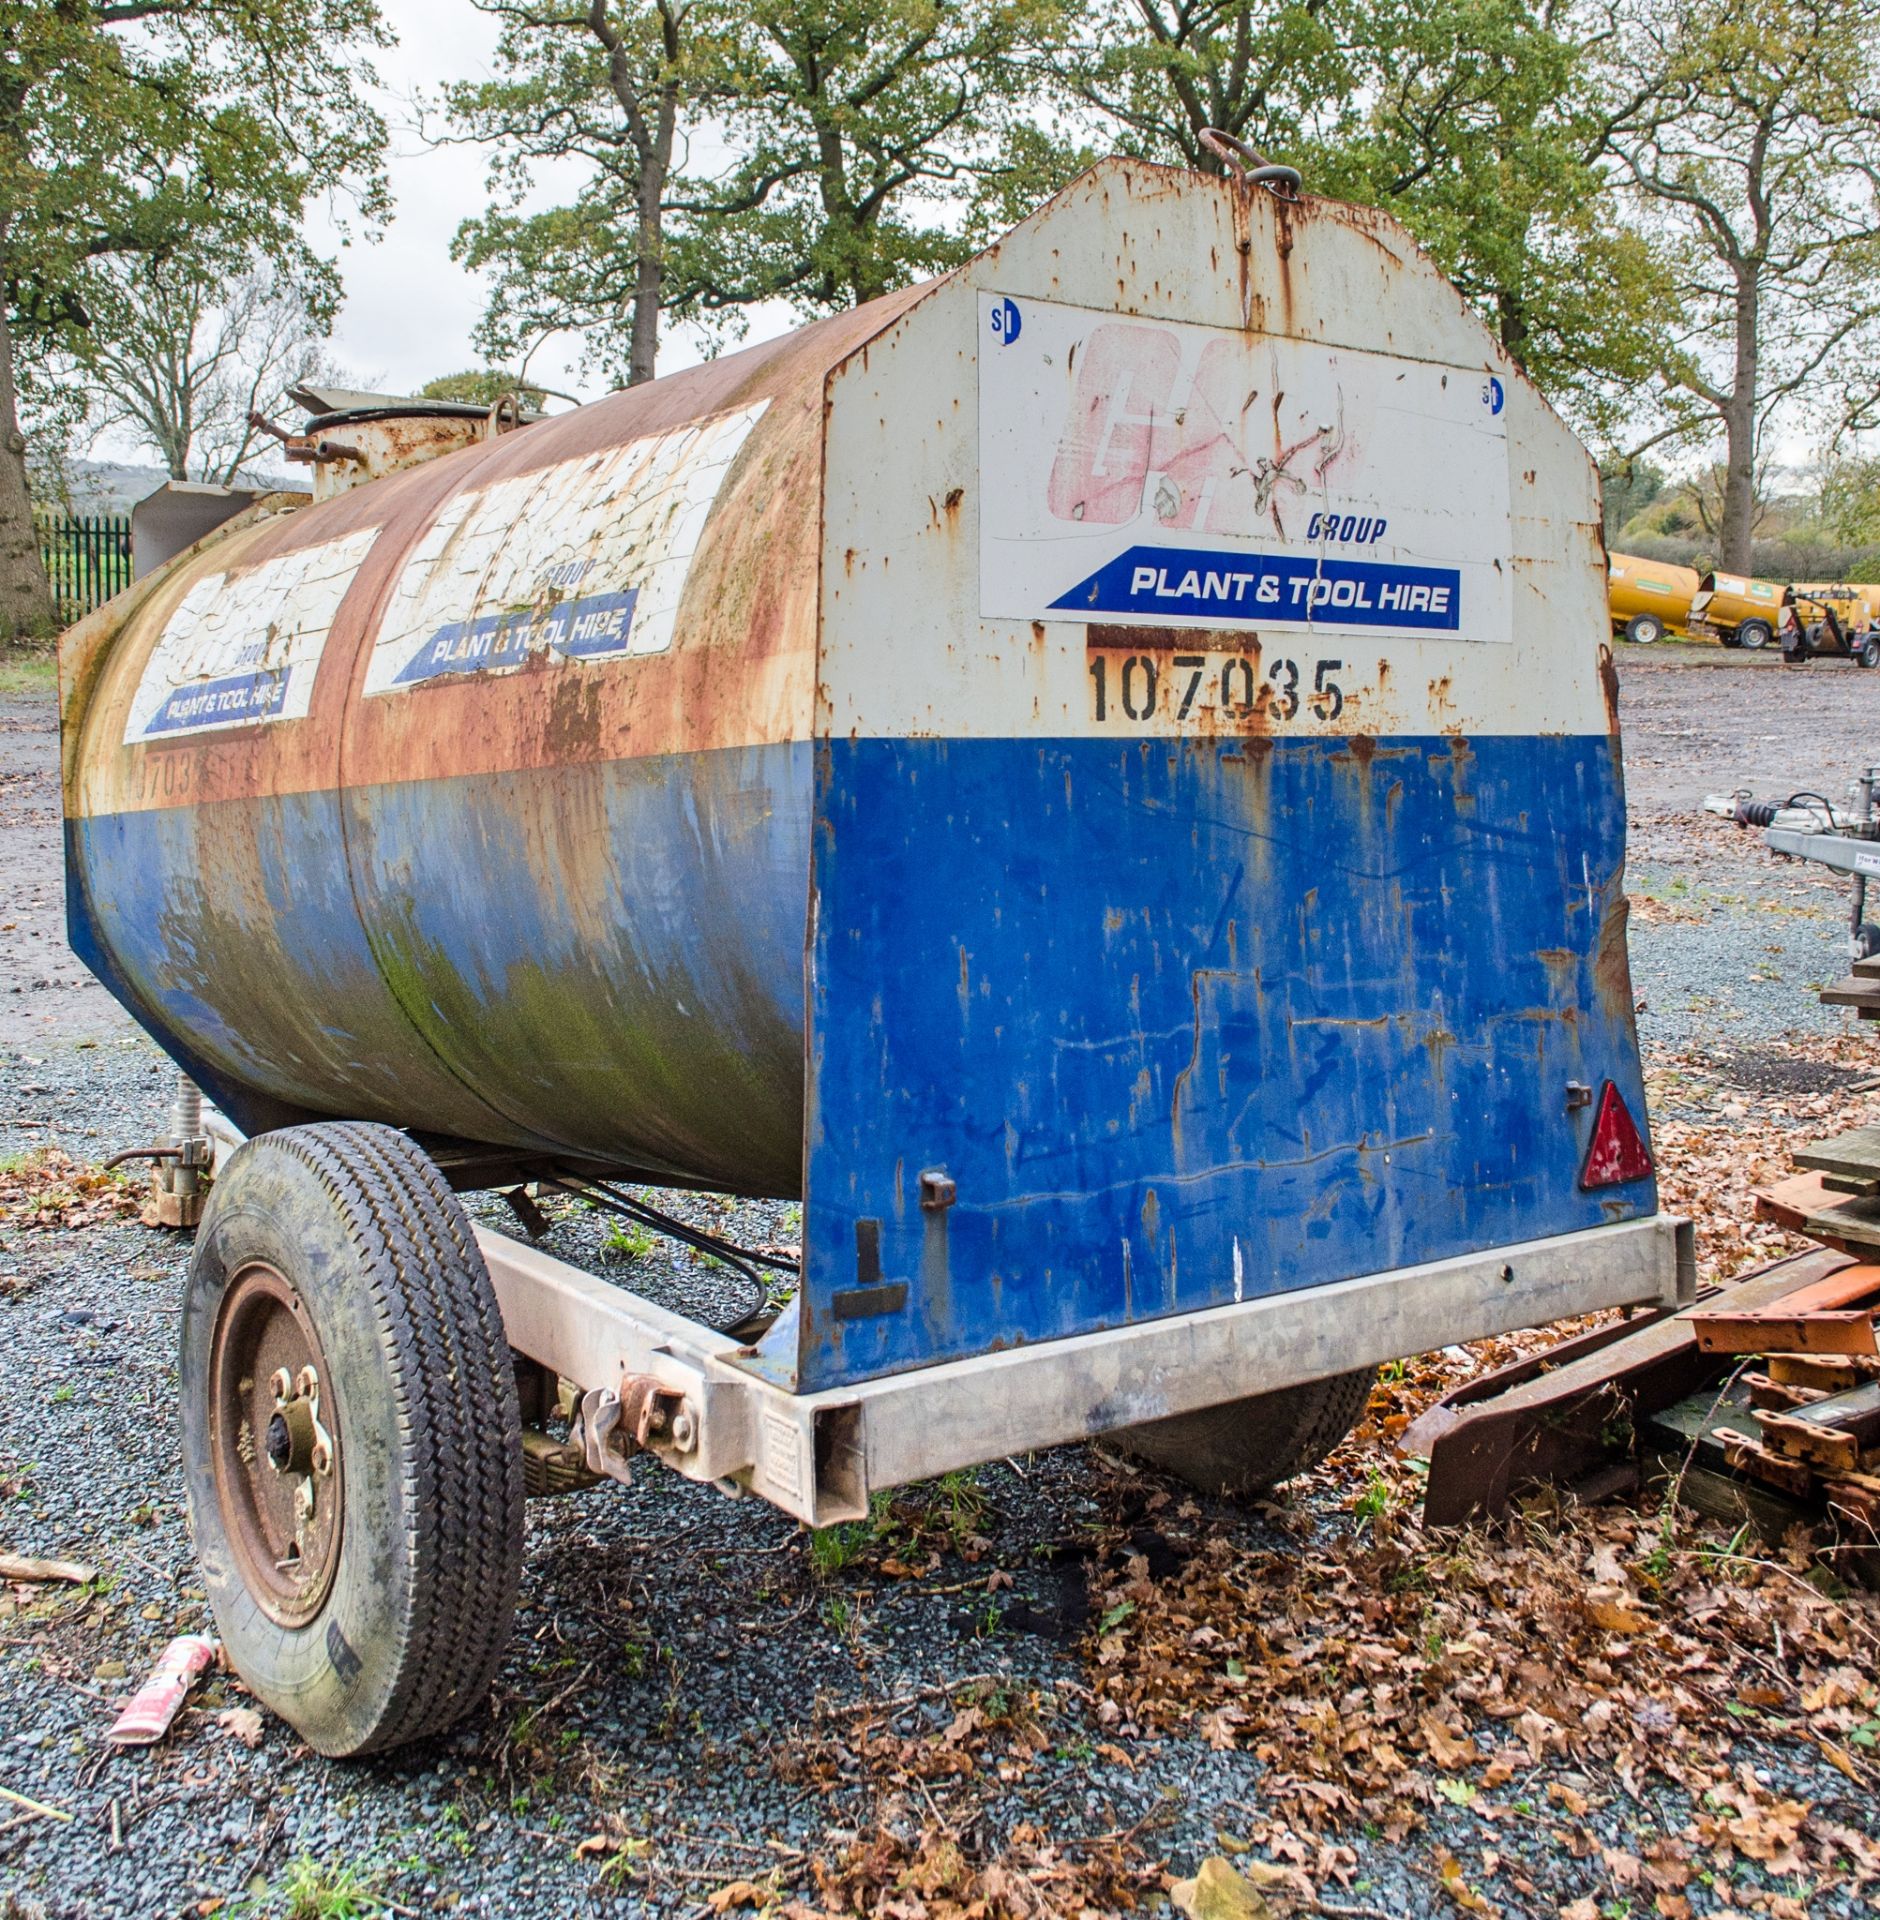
x=1191 y=1021
x=1184 y=1021
x=605 y=959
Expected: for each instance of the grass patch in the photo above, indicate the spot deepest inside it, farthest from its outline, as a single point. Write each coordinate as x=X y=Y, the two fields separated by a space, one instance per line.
x=311 y=1889
x=27 y=670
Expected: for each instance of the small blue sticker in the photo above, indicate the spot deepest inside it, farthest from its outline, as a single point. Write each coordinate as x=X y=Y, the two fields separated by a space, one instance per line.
x=1006 y=321
x=1494 y=396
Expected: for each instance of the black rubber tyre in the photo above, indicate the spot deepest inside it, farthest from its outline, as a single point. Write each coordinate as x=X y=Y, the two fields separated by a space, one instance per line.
x=1645 y=629
x=1867 y=654
x=1248 y=1446
x=1728 y=640
x=345 y=1239
x=1796 y=656
x=1755 y=634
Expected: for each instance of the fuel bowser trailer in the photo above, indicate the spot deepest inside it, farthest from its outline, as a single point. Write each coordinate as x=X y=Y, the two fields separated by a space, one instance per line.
x=1099 y=774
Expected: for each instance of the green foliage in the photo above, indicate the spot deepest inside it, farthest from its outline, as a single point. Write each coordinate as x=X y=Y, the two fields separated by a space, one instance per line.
x=310 y=1889
x=1475 y=122
x=176 y=133
x=1150 y=75
x=861 y=127
x=610 y=86
x=173 y=127
x=480 y=387
x=1483 y=135
x=628 y=1240
x=1849 y=500
x=1743 y=136
x=863 y=132
x=1629 y=487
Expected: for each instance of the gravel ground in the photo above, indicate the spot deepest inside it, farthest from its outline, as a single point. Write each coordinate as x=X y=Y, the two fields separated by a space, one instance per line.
x=695 y=1688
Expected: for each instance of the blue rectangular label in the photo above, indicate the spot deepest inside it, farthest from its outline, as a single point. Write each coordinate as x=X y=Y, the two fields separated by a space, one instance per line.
x=258 y=695
x=1210 y=586
x=594 y=628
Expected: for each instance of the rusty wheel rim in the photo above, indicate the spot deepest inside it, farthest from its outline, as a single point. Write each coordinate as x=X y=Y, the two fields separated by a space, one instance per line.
x=274 y=1441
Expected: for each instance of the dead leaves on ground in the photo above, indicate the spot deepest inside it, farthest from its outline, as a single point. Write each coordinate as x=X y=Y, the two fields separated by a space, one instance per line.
x=1716 y=1143
x=47 y=1190
x=1385 y=1681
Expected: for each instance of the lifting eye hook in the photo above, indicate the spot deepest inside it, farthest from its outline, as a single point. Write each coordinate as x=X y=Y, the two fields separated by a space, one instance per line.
x=1250 y=167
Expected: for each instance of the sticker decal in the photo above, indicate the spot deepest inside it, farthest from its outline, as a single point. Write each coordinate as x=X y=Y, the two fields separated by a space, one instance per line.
x=242 y=648
x=1159 y=472
x=584 y=560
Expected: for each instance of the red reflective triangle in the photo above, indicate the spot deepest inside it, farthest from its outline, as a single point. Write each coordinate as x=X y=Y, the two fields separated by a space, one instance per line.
x=1617 y=1152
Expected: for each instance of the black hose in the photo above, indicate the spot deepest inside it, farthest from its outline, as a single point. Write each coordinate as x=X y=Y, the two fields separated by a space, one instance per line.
x=744 y=1261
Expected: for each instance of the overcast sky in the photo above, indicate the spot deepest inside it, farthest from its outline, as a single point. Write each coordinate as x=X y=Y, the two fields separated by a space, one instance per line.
x=410 y=310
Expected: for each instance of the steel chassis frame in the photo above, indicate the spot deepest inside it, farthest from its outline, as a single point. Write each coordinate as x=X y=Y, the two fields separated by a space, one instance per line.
x=819 y=1456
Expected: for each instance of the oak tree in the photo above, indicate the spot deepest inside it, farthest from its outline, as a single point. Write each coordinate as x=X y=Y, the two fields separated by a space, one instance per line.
x=1747 y=133
x=149 y=130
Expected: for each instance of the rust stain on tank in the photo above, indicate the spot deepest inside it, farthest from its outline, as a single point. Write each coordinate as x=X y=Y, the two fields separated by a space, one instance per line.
x=1609 y=688
x=1612 y=960
x=1283 y=239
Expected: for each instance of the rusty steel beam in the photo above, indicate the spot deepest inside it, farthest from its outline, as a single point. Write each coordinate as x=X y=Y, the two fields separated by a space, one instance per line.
x=1520 y=1426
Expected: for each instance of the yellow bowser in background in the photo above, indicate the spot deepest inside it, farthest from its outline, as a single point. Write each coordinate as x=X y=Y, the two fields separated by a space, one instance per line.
x=1648 y=599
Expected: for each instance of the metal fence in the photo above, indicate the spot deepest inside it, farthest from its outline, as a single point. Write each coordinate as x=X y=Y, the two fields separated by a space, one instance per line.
x=88 y=559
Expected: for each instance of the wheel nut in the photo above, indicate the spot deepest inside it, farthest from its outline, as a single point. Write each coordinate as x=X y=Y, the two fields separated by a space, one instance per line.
x=684 y=1430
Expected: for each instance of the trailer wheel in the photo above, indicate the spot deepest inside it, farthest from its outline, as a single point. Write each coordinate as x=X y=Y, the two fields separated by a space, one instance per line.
x=1755 y=634
x=1645 y=629
x=352 y=1441
x=1795 y=656
x=1247 y=1446
x=1868 y=654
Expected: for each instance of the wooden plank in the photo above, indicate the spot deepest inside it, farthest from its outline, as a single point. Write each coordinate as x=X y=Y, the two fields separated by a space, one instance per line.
x=1804 y=1203
x=1789 y=1202
x=1855 y=1155
x=1864 y=1188
x=1852 y=992
x=1724 y=1497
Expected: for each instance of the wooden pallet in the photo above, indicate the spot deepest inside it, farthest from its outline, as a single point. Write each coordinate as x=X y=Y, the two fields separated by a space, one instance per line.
x=1860 y=990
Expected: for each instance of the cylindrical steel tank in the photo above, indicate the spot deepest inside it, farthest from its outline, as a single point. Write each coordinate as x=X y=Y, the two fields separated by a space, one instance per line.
x=477 y=798
x=1729 y=602
x=1648 y=588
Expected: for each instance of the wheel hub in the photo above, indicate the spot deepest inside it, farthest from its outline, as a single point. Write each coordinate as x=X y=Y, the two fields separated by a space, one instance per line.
x=277 y=1467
